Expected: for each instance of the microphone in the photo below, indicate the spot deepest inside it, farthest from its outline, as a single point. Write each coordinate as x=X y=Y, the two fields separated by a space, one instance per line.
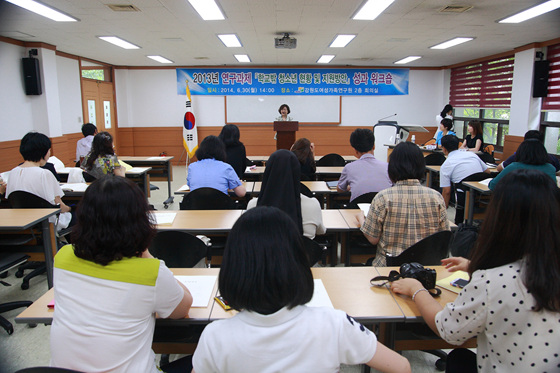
x=392 y=115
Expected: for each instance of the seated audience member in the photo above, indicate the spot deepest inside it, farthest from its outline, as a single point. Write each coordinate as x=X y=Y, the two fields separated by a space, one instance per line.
x=512 y=302
x=281 y=189
x=265 y=275
x=32 y=178
x=447 y=112
x=211 y=170
x=457 y=166
x=406 y=213
x=366 y=174
x=532 y=134
x=235 y=150
x=83 y=147
x=474 y=141
x=445 y=129
x=530 y=155
x=109 y=287
x=304 y=151
x=102 y=159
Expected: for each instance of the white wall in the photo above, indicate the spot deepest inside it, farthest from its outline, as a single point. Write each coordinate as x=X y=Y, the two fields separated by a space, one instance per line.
x=53 y=113
x=148 y=98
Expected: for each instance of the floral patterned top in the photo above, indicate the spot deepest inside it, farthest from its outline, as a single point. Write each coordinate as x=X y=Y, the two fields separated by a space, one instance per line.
x=102 y=165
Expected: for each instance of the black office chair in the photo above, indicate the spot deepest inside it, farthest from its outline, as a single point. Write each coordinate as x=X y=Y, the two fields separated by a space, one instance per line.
x=178 y=249
x=7 y=262
x=428 y=251
x=88 y=178
x=460 y=192
x=364 y=198
x=25 y=200
x=315 y=251
x=486 y=158
x=207 y=199
x=331 y=159
x=434 y=159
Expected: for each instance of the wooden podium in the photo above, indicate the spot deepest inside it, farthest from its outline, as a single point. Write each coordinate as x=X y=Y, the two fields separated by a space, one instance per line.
x=285 y=134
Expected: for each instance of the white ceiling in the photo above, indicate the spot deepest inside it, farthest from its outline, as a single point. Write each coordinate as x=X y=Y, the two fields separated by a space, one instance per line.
x=171 y=28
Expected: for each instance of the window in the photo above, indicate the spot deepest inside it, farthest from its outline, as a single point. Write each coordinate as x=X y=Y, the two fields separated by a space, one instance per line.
x=482 y=91
x=550 y=116
x=94 y=74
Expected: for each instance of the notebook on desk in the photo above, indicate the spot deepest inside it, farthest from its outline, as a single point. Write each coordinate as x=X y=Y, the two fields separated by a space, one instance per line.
x=332 y=184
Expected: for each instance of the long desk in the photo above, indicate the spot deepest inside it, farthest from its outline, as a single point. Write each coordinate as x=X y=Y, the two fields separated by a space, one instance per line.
x=349 y=290
x=321 y=172
x=474 y=187
x=249 y=186
x=22 y=219
x=161 y=170
x=264 y=158
x=138 y=174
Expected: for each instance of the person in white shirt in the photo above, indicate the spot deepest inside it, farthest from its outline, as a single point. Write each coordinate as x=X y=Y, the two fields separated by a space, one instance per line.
x=458 y=165
x=265 y=275
x=83 y=147
x=512 y=302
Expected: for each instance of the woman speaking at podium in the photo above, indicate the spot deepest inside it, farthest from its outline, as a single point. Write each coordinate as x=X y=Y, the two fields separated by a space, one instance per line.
x=284 y=110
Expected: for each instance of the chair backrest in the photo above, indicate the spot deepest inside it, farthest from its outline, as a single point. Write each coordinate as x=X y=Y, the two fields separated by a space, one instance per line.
x=314 y=250
x=364 y=198
x=331 y=159
x=207 y=199
x=428 y=251
x=434 y=159
x=47 y=370
x=485 y=157
x=25 y=200
x=479 y=176
x=489 y=149
x=303 y=189
x=88 y=178
x=178 y=249
x=430 y=142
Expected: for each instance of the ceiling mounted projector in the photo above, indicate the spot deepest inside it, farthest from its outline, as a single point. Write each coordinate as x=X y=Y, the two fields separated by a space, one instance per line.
x=285 y=42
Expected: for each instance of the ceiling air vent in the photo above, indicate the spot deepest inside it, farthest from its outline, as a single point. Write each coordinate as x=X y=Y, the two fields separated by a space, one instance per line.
x=123 y=8
x=455 y=8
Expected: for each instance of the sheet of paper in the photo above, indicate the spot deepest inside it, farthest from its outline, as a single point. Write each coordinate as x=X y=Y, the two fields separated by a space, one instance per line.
x=200 y=287
x=136 y=170
x=74 y=187
x=364 y=207
x=155 y=158
x=446 y=282
x=184 y=188
x=320 y=296
x=162 y=218
x=486 y=181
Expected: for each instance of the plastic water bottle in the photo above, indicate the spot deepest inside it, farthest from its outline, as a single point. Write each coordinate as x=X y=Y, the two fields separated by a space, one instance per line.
x=413 y=139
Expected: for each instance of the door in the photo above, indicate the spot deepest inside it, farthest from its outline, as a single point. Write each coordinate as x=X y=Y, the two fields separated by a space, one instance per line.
x=98 y=103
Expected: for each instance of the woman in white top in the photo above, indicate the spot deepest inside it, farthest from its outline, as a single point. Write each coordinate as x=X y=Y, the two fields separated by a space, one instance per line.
x=281 y=188
x=512 y=302
x=265 y=275
x=284 y=110
x=30 y=177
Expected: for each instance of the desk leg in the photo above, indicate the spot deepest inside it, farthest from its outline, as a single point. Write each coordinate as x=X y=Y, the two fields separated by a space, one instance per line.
x=429 y=179
x=469 y=205
x=170 y=197
x=49 y=244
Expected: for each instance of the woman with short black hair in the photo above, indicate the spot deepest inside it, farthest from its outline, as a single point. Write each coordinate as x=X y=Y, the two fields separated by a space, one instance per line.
x=265 y=275
x=211 y=170
x=235 y=150
x=530 y=155
x=512 y=302
x=109 y=287
x=102 y=160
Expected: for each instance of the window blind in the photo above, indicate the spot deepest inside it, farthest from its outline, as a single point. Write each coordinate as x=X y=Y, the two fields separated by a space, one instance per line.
x=552 y=100
x=485 y=84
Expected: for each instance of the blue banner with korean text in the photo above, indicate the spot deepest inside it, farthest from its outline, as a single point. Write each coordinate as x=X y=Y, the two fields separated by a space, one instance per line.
x=306 y=82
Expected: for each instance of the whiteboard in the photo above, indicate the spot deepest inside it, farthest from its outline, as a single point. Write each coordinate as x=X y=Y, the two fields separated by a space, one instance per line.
x=264 y=109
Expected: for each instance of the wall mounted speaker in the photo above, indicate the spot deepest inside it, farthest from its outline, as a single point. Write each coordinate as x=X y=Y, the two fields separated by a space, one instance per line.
x=540 y=78
x=31 y=76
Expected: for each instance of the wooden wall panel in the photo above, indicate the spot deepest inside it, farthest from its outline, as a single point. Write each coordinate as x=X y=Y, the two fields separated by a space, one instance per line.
x=511 y=143
x=10 y=155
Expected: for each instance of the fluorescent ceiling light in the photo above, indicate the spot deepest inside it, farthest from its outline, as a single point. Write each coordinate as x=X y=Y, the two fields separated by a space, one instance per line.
x=160 y=59
x=341 y=41
x=407 y=60
x=242 y=58
x=207 y=9
x=43 y=10
x=451 y=43
x=532 y=12
x=372 y=9
x=230 y=40
x=118 y=42
x=325 y=58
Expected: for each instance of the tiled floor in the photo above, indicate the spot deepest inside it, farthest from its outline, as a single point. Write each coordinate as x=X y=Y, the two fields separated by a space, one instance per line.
x=29 y=347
